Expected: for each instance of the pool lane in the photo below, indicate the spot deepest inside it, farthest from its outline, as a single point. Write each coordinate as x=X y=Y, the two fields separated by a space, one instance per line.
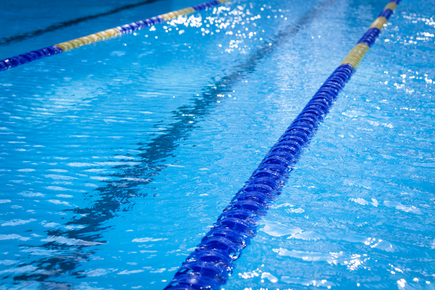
x=113 y=197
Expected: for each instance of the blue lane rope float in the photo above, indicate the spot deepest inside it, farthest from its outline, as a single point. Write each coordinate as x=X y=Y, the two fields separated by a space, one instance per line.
x=11 y=62
x=209 y=266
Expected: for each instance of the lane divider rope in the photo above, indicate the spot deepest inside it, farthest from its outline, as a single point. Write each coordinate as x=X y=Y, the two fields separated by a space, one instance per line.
x=21 y=59
x=211 y=263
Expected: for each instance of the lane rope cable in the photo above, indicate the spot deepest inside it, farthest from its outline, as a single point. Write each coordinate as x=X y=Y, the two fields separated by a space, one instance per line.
x=21 y=59
x=212 y=261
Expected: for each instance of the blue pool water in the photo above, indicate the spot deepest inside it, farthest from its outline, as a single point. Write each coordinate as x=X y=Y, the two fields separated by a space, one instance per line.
x=116 y=158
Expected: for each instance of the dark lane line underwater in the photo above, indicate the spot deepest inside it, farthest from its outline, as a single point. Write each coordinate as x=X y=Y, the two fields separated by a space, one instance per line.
x=60 y=25
x=115 y=195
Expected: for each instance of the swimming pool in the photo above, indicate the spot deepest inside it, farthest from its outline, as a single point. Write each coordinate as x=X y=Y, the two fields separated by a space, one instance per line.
x=118 y=157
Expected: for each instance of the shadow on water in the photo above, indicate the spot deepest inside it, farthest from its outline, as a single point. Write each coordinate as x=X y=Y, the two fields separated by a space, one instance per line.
x=68 y=23
x=115 y=195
